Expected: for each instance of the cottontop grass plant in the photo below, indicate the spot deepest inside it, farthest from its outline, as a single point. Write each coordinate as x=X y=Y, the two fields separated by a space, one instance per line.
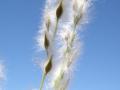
x=58 y=38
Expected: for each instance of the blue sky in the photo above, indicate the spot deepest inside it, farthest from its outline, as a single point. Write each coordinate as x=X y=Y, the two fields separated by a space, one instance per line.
x=97 y=69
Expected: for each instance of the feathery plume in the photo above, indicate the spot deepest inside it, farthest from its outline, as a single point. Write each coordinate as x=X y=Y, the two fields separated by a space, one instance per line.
x=67 y=36
x=49 y=33
x=71 y=45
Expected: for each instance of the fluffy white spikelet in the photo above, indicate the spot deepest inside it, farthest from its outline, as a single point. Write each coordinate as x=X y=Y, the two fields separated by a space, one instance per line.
x=54 y=30
x=70 y=47
x=46 y=39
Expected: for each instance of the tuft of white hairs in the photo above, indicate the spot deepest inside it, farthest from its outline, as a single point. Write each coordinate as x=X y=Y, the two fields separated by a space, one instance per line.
x=59 y=38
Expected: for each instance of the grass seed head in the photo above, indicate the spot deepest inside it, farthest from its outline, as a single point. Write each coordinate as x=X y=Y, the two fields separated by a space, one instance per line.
x=46 y=42
x=48 y=66
x=59 y=11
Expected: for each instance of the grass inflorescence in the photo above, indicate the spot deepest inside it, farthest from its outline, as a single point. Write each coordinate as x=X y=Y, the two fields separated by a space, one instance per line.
x=55 y=32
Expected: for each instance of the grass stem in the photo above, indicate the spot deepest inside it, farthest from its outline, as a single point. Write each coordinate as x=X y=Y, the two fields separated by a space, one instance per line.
x=42 y=81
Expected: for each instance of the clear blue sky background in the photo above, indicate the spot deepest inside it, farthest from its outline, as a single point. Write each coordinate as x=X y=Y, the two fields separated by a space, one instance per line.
x=99 y=67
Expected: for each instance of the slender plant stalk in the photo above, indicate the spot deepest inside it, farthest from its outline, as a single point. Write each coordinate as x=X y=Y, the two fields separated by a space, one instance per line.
x=42 y=81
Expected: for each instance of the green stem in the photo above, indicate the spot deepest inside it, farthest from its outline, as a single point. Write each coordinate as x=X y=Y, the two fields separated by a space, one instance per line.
x=42 y=81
